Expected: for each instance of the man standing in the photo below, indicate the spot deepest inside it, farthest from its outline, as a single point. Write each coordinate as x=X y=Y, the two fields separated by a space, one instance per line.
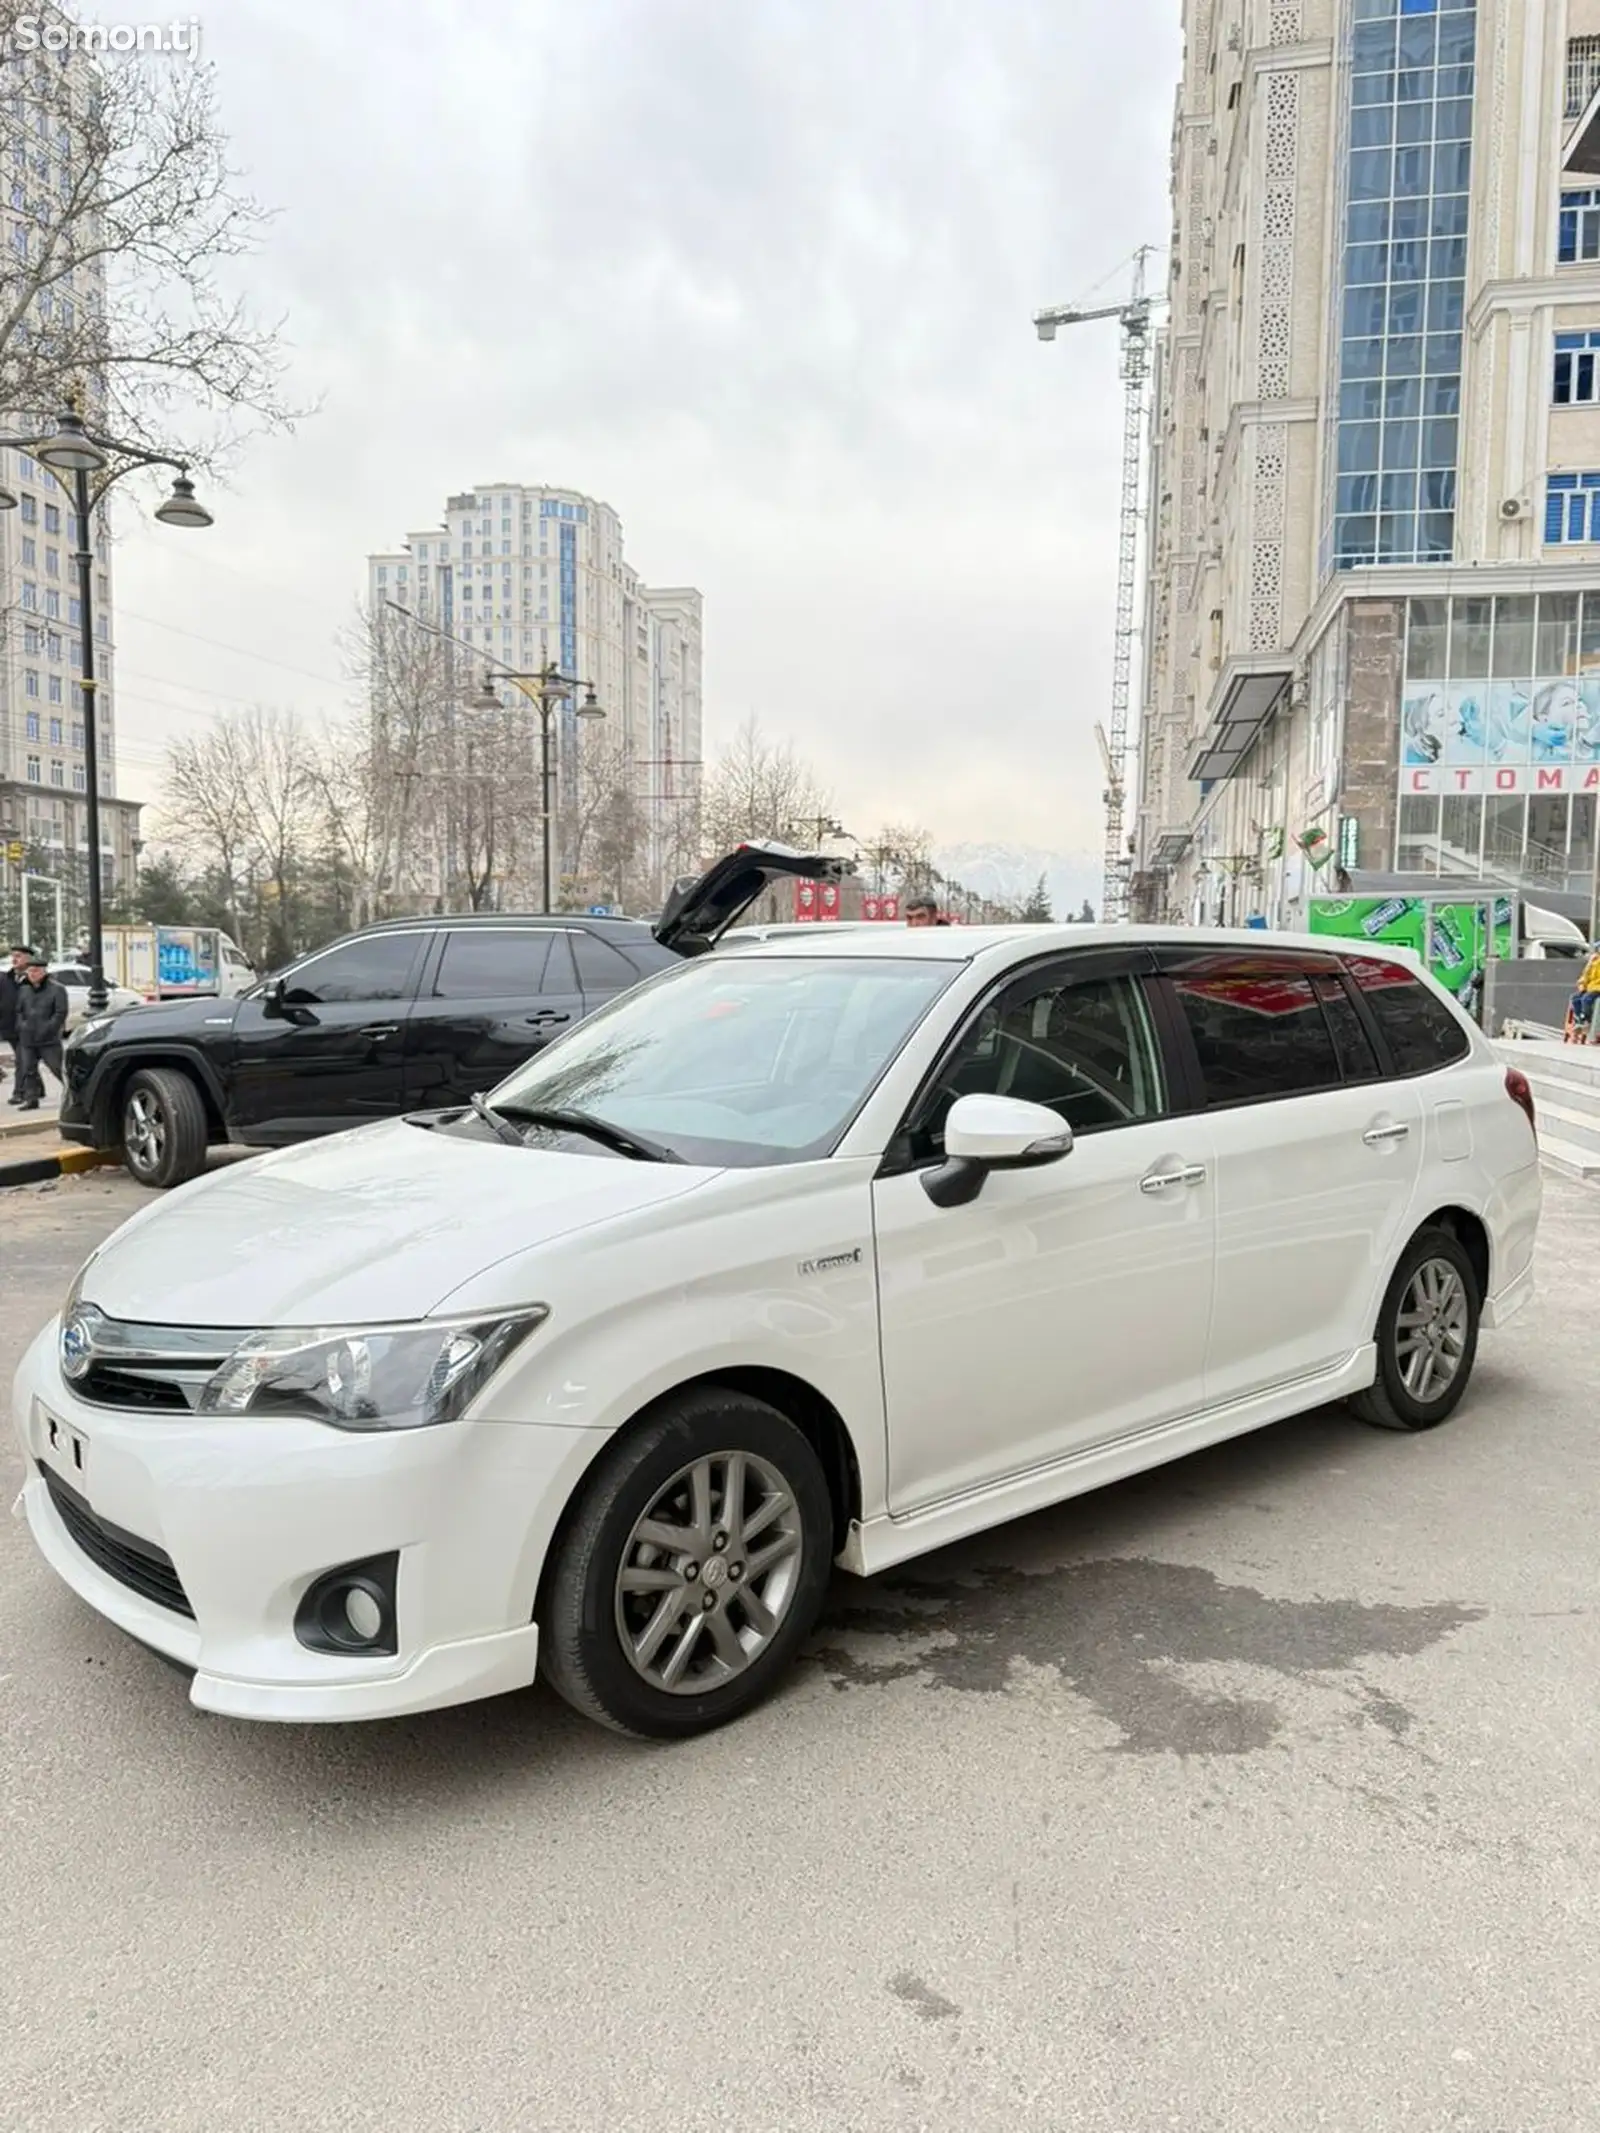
x=41 y=1021
x=12 y=981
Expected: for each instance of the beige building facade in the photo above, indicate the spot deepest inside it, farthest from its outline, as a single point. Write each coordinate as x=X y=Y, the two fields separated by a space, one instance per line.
x=1373 y=613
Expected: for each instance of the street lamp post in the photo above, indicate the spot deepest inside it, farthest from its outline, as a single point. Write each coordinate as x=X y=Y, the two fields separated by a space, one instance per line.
x=71 y=450
x=545 y=688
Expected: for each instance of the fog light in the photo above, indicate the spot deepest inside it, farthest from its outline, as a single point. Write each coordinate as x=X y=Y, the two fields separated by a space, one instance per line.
x=351 y=1610
x=363 y=1613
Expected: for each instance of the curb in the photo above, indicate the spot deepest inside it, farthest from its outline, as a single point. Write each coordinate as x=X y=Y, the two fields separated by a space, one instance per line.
x=65 y=1162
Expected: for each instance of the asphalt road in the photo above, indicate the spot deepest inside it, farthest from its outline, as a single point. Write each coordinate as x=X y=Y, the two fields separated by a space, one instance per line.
x=1254 y=1796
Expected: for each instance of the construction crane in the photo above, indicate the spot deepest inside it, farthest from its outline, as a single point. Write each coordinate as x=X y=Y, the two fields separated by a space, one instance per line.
x=1135 y=317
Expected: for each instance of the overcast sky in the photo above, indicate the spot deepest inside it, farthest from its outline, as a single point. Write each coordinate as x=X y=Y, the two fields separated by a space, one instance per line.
x=758 y=272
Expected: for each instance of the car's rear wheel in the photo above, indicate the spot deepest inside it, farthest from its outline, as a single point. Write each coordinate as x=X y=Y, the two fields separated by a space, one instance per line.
x=692 y=1569
x=1427 y=1336
x=164 y=1135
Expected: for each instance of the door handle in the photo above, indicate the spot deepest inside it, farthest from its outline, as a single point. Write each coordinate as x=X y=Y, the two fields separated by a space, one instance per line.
x=547 y=1014
x=1376 y=1136
x=381 y=1029
x=1163 y=1180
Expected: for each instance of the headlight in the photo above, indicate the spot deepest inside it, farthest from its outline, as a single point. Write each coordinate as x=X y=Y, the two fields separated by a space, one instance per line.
x=94 y=1027
x=368 y=1377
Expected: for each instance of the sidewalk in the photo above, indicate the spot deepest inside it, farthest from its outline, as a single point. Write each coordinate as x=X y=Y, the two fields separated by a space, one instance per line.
x=31 y=1148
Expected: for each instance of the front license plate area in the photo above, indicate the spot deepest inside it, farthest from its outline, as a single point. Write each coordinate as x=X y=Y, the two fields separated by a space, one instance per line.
x=65 y=1449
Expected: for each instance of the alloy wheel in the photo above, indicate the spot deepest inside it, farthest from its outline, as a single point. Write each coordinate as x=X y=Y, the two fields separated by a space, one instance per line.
x=144 y=1131
x=1431 y=1330
x=708 y=1573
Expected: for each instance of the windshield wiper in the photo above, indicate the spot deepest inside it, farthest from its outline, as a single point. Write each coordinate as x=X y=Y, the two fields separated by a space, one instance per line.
x=636 y=1145
x=499 y=1126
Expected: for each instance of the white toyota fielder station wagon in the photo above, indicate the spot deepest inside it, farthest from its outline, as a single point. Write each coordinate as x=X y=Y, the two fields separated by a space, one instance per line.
x=817 y=1252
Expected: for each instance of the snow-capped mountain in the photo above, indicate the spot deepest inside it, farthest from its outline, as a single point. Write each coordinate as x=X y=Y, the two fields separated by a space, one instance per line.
x=1008 y=874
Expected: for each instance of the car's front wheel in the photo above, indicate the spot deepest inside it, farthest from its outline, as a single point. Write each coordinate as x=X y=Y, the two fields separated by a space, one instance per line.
x=1427 y=1336
x=692 y=1568
x=164 y=1135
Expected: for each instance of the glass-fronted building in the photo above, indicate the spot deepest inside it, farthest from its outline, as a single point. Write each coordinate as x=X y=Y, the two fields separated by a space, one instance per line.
x=1374 y=643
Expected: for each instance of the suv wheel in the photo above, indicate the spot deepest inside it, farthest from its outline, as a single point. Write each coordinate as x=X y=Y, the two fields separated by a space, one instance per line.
x=692 y=1571
x=164 y=1135
x=1427 y=1336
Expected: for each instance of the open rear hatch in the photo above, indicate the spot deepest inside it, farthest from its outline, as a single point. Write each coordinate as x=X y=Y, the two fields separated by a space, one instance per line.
x=702 y=907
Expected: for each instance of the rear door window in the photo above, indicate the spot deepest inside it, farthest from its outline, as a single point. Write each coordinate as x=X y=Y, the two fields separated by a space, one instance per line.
x=1421 y=1033
x=1258 y=1027
x=488 y=964
x=601 y=968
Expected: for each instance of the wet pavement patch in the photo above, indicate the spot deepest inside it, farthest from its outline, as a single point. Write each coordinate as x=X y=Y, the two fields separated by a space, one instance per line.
x=921 y=1998
x=1117 y=1632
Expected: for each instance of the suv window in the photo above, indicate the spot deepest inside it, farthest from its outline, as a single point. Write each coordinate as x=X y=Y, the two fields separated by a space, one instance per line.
x=600 y=967
x=489 y=964
x=1418 y=1028
x=1083 y=1047
x=1357 y=1059
x=1258 y=1027
x=377 y=968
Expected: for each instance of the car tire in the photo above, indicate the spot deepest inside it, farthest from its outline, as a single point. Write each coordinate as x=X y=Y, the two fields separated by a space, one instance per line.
x=1432 y=1308
x=617 y=1604
x=164 y=1134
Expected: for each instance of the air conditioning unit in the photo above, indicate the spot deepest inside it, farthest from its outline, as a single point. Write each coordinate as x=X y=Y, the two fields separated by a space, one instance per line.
x=1514 y=507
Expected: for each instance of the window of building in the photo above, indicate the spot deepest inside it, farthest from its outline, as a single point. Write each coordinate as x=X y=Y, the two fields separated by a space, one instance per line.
x=77 y=735
x=1583 y=74
x=32 y=724
x=33 y=770
x=32 y=638
x=1572 y=509
x=1403 y=302
x=30 y=559
x=52 y=603
x=31 y=681
x=58 y=773
x=1575 y=380
x=53 y=643
x=1579 y=237
x=30 y=511
x=55 y=688
x=80 y=778
x=383 y=572
x=52 y=518
x=30 y=595
x=55 y=733
x=52 y=562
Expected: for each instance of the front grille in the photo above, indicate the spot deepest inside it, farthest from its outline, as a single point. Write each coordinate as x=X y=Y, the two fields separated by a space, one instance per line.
x=145 y=1369
x=107 y=1386
x=138 y=1564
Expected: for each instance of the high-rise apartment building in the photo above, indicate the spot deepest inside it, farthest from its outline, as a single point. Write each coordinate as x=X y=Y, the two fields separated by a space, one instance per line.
x=43 y=775
x=1373 y=617
x=533 y=576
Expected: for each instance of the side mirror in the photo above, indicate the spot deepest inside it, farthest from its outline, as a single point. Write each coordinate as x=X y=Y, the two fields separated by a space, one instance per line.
x=984 y=1133
x=272 y=996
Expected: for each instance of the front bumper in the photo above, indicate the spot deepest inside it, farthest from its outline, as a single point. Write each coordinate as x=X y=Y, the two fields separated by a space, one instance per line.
x=252 y=1513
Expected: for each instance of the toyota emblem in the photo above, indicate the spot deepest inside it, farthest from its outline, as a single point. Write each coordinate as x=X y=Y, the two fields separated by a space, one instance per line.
x=77 y=1345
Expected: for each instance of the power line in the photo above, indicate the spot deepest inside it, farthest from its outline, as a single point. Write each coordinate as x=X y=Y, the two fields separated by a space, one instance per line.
x=241 y=651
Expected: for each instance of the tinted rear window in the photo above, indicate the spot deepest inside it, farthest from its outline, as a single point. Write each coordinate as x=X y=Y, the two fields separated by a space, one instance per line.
x=485 y=964
x=1418 y=1028
x=1259 y=1030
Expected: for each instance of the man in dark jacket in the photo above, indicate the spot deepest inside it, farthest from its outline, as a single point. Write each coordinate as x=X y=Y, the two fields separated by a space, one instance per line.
x=41 y=1023
x=12 y=980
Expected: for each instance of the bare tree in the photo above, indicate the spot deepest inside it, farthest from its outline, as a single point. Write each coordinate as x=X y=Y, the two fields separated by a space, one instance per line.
x=607 y=829
x=242 y=801
x=760 y=791
x=401 y=758
x=115 y=281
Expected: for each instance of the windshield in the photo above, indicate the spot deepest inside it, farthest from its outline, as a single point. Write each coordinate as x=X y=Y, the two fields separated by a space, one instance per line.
x=737 y=1062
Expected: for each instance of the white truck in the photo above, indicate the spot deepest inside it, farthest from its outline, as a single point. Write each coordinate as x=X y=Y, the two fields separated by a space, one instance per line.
x=175 y=962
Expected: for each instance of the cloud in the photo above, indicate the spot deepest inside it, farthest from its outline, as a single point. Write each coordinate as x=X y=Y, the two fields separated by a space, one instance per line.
x=760 y=273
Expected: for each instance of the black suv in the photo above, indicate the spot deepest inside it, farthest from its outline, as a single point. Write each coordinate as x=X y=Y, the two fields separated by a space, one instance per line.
x=415 y=1014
